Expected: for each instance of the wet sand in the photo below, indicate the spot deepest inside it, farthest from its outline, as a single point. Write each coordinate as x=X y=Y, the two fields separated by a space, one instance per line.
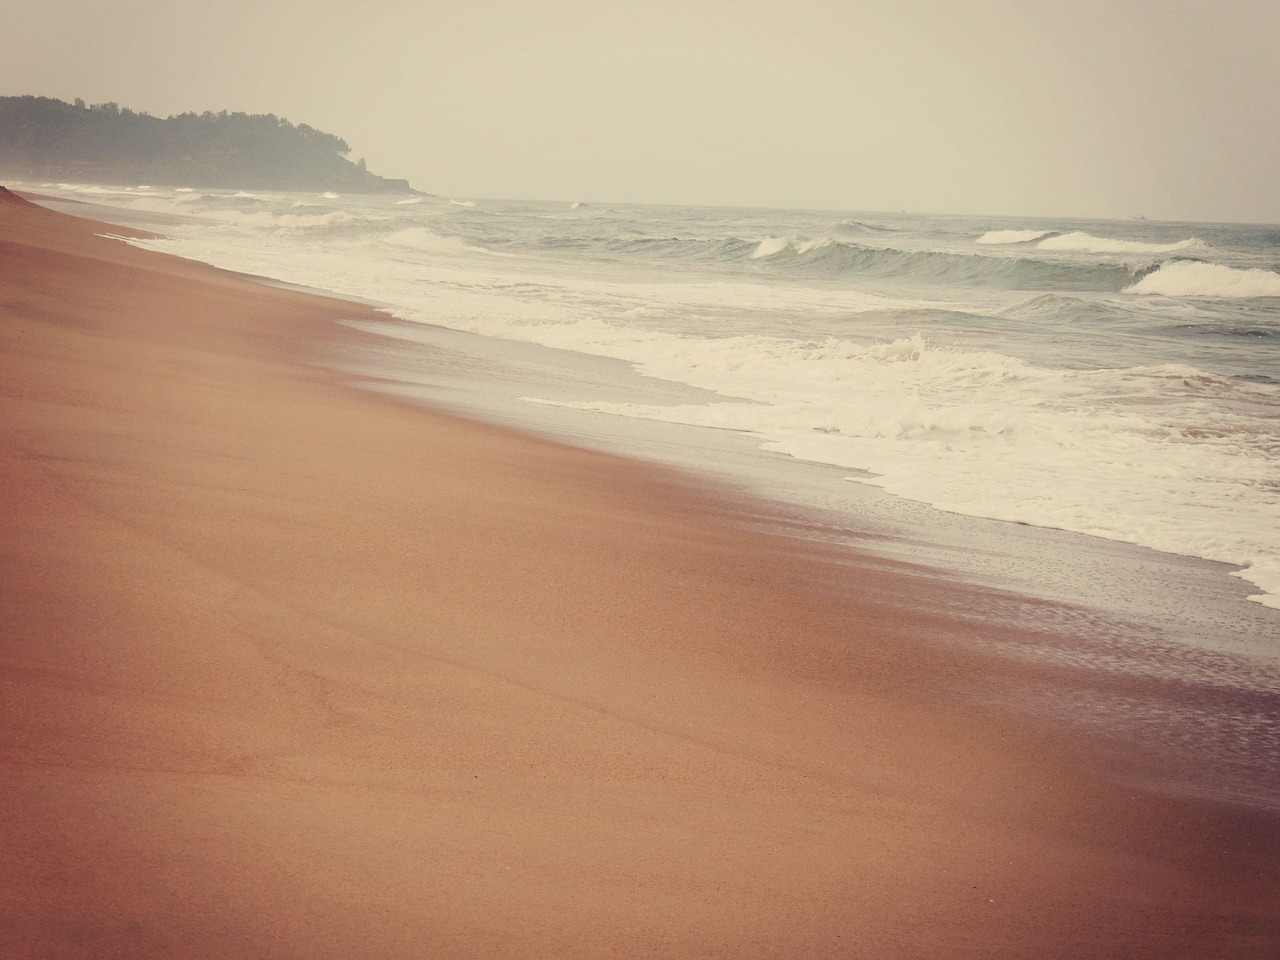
x=293 y=670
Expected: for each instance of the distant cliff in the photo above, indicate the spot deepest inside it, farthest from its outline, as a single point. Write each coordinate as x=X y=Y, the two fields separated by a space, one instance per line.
x=106 y=143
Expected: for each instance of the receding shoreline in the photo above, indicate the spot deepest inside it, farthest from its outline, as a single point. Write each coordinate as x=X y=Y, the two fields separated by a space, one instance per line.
x=297 y=670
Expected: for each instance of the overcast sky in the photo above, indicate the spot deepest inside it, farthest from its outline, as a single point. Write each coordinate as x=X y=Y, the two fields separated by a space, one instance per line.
x=1165 y=108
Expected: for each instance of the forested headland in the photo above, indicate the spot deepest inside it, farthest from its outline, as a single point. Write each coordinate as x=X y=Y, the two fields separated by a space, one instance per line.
x=106 y=143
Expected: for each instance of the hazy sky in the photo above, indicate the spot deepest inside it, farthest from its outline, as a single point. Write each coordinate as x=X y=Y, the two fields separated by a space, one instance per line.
x=1163 y=108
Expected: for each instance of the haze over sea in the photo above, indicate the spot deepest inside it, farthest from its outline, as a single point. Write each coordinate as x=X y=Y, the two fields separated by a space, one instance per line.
x=1115 y=379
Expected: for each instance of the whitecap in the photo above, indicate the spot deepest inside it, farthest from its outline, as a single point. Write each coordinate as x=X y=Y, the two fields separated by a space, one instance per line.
x=1190 y=278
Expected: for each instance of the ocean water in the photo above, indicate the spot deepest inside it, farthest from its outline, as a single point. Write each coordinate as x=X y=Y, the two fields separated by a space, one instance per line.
x=1092 y=382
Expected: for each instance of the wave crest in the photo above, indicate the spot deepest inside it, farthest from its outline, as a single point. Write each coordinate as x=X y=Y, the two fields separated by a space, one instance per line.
x=1190 y=278
x=994 y=237
x=863 y=226
x=772 y=246
x=830 y=257
x=427 y=241
x=1078 y=242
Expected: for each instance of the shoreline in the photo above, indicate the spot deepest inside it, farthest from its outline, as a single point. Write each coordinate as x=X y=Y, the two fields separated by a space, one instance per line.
x=475 y=404
x=301 y=670
x=411 y=359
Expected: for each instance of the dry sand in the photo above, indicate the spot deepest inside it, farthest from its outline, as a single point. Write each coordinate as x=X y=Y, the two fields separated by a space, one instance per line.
x=291 y=670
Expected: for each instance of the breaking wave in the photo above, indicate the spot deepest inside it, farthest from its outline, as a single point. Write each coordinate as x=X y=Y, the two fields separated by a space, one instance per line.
x=863 y=226
x=835 y=257
x=426 y=241
x=1077 y=242
x=771 y=246
x=1191 y=278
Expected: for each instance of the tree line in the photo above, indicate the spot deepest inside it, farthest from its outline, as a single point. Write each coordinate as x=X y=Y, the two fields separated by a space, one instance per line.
x=107 y=143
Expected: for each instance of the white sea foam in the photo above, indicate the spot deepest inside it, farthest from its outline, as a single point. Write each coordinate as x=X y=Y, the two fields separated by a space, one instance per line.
x=409 y=202
x=1188 y=278
x=1087 y=243
x=330 y=195
x=1012 y=236
x=1136 y=455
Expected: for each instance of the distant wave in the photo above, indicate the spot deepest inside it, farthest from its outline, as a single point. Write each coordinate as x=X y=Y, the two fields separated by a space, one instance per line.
x=408 y=202
x=1078 y=242
x=219 y=202
x=837 y=257
x=1013 y=236
x=462 y=203
x=698 y=249
x=317 y=221
x=862 y=225
x=1190 y=278
x=830 y=257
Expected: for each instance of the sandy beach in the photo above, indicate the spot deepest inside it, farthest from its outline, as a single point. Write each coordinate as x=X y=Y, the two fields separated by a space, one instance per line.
x=294 y=670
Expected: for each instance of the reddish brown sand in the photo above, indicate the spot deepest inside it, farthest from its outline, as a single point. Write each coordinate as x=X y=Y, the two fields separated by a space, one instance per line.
x=290 y=670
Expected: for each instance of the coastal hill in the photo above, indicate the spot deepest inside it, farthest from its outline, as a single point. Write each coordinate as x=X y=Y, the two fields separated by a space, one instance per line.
x=106 y=143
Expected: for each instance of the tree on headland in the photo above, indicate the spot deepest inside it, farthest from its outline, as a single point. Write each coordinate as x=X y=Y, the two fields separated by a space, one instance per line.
x=103 y=142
